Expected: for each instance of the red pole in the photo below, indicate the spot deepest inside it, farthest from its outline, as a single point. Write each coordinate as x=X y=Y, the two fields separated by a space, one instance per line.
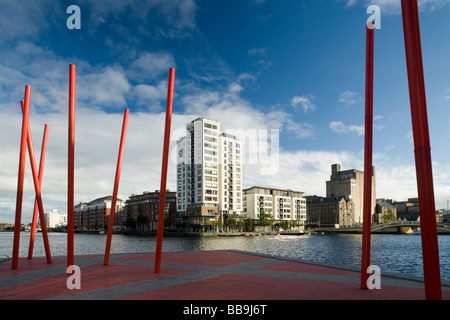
x=37 y=187
x=422 y=150
x=41 y=173
x=367 y=204
x=162 y=191
x=116 y=187
x=22 y=158
x=71 y=166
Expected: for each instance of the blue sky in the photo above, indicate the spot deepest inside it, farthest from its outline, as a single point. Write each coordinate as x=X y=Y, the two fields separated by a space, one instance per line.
x=293 y=66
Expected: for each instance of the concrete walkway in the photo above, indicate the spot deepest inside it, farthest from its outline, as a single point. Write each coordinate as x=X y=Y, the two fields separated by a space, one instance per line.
x=202 y=275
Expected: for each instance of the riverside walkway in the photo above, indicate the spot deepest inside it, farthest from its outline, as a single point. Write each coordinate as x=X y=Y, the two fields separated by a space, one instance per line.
x=199 y=275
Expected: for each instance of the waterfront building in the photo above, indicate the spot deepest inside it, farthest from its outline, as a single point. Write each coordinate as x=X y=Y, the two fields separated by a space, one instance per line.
x=383 y=210
x=350 y=184
x=407 y=210
x=209 y=175
x=54 y=219
x=95 y=214
x=282 y=204
x=329 y=212
x=446 y=215
x=143 y=209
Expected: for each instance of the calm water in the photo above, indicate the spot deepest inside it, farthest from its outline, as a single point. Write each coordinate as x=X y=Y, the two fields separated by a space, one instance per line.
x=392 y=253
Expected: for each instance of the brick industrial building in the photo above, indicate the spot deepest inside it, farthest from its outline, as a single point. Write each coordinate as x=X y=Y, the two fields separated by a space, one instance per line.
x=95 y=214
x=350 y=184
x=142 y=209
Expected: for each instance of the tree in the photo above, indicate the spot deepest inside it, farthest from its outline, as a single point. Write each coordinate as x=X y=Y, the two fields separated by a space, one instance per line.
x=130 y=223
x=284 y=224
x=265 y=219
x=141 y=220
x=213 y=224
x=248 y=224
x=388 y=216
x=233 y=220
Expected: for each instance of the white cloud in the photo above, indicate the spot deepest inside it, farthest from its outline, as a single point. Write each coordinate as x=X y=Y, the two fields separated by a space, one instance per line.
x=304 y=102
x=340 y=127
x=106 y=88
x=349 y=98
x=260 y=51
x=394 y=6
x=225 y=105
x=150 y=96
x=98 y=132
x=150 y=66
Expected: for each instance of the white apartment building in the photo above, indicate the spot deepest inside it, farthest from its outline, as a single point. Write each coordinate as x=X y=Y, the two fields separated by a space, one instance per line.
x=280 y=203
x=209 y=173
x=54 y=219
x=230 y=174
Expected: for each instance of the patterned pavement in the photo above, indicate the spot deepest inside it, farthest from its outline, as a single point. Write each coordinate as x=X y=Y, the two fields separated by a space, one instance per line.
x=200 y=275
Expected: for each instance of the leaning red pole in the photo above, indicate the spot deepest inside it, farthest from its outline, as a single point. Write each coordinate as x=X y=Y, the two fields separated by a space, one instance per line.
x=422 y=150
x=37 y=187
x=162 y=190
x=116 y=187
x=71 y=167
x=40 y=175
x=22 y=158
x=368 y=137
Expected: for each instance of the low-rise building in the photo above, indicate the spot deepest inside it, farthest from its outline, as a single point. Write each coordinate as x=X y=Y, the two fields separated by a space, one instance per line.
x=95 y=214
x=282 y=204
x=385 y=212
x=329 y=212
x=143 y=210
x=55 y=219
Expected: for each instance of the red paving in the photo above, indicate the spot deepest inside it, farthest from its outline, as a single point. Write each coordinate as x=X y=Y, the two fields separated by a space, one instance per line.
x=247 y=287
x=25 y=266
x=308 y=268
x=202 y=258
x=203 y=275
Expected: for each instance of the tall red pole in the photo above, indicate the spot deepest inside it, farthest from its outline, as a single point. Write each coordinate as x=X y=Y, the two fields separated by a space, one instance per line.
x=22 y=158
x=367 y=204
x=40 y=175
x=165 y=160
x=37 y=187
x=71 y=167
x=422 y=150
x=116 y=187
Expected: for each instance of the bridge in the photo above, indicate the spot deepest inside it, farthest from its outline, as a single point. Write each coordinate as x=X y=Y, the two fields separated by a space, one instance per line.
x=403 y=227
x=407 y=227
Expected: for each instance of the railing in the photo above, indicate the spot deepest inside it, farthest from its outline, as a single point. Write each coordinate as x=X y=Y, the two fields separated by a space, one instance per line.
x=396 y=224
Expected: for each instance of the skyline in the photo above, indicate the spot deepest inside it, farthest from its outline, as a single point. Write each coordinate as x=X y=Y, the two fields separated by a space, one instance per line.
x=293 y=66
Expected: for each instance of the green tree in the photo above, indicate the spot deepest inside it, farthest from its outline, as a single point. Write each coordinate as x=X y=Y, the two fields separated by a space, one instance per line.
x=248 y=224
x=214 y=224
x=389 y=216
x=266 y=219
x=284 y=224
x=235 y=221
